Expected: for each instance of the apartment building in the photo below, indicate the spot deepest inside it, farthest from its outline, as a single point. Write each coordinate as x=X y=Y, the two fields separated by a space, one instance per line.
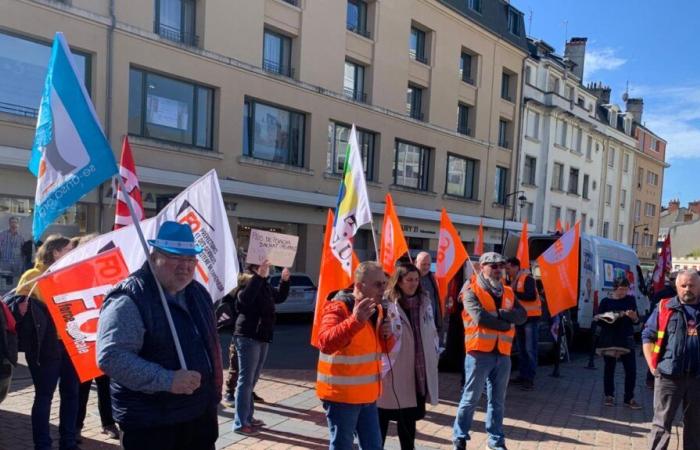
x=265 y=93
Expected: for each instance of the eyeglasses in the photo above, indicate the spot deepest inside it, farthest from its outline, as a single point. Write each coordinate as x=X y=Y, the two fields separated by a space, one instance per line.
x=179 y=258
x=495 y=265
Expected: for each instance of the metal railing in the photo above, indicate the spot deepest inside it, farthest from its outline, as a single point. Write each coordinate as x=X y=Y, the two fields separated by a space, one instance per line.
x=177 y=35
x=275 y=67
x=416 y=115
x=362 y=31
x=355 y=95
x=464 y=130
x=292 y=2
x=19 y=110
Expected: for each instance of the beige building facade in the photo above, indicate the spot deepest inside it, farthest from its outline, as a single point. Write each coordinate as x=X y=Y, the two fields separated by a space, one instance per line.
x=265 y=92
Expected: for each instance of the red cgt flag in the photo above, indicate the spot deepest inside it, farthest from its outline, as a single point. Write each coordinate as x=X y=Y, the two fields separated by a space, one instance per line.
x=393 y=244
x=331 y=278
x=73 y=296
x=663 y=265
x=559 y=270
x=127 y=170
x=479 y=244
x=451 y=256
x=523 y=253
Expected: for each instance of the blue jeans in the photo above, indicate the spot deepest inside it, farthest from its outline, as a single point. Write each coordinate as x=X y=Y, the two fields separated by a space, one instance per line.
x=345 y=420
x=527 y=335
x=251 y=358
x=45 y=377
x=493 y=370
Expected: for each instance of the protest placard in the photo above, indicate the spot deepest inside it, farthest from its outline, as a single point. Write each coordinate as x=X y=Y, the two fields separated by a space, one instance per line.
x=279 y=249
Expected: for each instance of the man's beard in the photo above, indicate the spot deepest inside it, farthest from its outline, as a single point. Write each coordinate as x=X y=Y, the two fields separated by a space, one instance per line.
x=495 y=282
x=689 y=297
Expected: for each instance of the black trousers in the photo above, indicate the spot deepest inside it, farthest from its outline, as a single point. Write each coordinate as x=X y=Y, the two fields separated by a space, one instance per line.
x=629 y=362
x=104 y=402
x=197 y=434
x=669 y=395
x=406 y=427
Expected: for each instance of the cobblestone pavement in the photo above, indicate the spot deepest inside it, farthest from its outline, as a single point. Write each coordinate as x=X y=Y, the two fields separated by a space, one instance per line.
x=562 y=413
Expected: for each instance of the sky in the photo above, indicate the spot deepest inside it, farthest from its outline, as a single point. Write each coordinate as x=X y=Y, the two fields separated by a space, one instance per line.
x=652 y=46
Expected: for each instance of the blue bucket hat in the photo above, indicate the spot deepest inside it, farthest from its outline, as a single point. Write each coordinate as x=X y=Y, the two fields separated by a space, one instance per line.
x=176 y=238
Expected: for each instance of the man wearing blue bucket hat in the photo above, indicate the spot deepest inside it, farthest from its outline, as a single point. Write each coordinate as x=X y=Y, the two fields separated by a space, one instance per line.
x=157 y=403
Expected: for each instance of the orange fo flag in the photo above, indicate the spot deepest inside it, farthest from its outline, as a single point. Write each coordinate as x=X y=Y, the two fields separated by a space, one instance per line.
x=331 y=278
x=523 y=253
x=479 y=244
x=559 y=228
x=393 y=244
x=451 y=256
x=559 y=270
x=73 y=296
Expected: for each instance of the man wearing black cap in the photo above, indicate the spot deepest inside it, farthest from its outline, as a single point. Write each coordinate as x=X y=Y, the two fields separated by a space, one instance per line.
x=158 y=404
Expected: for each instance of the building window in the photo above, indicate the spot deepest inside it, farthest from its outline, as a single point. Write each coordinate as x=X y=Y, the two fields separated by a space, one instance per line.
x=338 y=137
x=637 y=210
x=414 y=102
x=563 y=133
x=528 y=211
x=649 y=209
x=652 y=178
x=640 y=177
x=554 y=216
x=175 y=20
x=354 y=82
x=23 y=64
x=558 y=177
x=584 y=191
x=635 y=239
x=579 y=140
x=501 y=185
x=623 y=198
x=584 y=218
x=463 y=119
x=606 y=229
x=357 y=17
x=573 y=181
x=506 y=88
x=611 y=157
x=462 y=177
x=503 y=132
x=513 y=22
x=411 y=165
x=273 y=134
x=171 y=110
x=533 y=125
x=466 y=67
x=528 y=75
x=277 y=54
x=530 y=170
x=416 y=45
x=626 y=162
x=553 y=84
x=608 y=194
x=589 y=147
x=474 y=5
x=621 y=232
x=571 y=216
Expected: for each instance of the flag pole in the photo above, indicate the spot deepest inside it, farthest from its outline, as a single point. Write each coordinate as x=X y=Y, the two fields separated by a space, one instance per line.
x=166 y=308
x=374 y=238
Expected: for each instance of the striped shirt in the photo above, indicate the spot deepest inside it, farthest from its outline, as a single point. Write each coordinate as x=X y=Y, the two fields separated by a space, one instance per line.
x=10 y=247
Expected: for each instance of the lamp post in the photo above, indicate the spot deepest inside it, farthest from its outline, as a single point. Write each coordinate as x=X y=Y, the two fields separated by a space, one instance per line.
x=646 y=230
x=521 y=199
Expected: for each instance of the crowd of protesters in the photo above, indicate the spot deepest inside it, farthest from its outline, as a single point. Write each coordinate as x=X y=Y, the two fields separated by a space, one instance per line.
x=379 y=345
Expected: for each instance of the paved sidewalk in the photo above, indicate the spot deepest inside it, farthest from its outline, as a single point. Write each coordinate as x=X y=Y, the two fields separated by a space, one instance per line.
x=562 y=413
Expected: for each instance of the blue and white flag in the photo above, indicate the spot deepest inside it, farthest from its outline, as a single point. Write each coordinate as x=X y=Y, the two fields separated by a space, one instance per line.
x=70 y=155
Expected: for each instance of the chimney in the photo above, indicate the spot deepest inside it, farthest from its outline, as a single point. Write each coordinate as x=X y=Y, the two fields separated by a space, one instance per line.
x=694 y=206
x=688 y=217
x=601 y=91
x=576 y=53
x=635 y=106
x=674 y=205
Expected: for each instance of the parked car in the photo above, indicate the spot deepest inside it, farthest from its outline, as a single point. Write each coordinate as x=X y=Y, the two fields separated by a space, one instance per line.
x=302 y=294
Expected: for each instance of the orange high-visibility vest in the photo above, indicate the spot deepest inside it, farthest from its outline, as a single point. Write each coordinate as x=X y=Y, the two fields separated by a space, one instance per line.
x=664 y=317
x=532 y=307
x=482 y=339
x=352 y=374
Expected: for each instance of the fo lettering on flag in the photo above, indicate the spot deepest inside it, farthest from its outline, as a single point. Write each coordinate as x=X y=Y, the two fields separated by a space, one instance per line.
x=451 y=256
x=353 y=209
x=393 y=244
x=70 y=155
x=559 y=271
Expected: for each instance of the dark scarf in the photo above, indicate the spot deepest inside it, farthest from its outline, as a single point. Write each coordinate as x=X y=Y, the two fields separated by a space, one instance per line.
x=411 y=307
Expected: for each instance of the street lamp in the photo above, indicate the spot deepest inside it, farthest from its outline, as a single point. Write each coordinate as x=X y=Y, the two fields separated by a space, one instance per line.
x=646 y=230
x=521 y=199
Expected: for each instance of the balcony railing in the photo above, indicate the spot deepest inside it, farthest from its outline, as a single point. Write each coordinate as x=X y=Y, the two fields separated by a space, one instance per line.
x=464 y=130
x=18 y=110
x=355 y=95
x=292 y=2
x=355 y=28
x=177 y=35
x=280 y=69
x=416 y=115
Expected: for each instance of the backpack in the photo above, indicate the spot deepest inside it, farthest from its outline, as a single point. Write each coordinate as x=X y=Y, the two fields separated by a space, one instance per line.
x=225 y=312
x=8 y=335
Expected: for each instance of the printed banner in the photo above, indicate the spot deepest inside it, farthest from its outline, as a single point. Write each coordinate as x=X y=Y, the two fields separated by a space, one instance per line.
x=73 y=296
x=279 y=249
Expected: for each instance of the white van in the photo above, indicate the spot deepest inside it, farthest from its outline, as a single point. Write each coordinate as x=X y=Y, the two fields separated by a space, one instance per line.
x=601 y=261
